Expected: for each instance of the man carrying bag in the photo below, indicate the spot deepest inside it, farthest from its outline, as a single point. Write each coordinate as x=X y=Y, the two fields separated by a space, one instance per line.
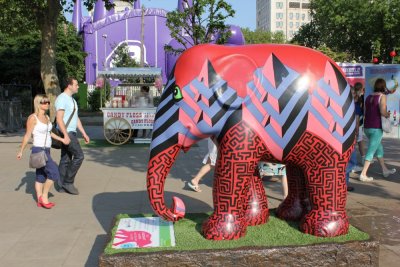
x=71 y=154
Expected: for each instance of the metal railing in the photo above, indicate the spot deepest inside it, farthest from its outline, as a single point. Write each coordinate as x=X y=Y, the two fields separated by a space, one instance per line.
x=10 y=116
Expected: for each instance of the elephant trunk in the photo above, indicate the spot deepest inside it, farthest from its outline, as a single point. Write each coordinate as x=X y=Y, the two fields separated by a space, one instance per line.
x=157 y=171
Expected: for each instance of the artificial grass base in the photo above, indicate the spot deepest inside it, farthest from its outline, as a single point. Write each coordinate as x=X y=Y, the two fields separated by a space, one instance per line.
x=274 y=233
x=276 y=243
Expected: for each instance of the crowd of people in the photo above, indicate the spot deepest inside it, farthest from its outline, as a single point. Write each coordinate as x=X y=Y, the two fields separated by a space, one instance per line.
x=369 y=113
x=39 y=127
x=368 y=128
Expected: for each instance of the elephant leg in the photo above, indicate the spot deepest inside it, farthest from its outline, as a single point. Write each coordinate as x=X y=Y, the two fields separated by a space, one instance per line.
x=257 y=211
x=296 y=204
x=235 y=168
x=327 y=191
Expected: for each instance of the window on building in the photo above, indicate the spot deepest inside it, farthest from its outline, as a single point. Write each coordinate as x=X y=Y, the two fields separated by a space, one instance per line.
x=290 y=24
x=297 y=16
x=303 y=16
x=279 y=15
x=294 y=4
x=297 y=24
x=290 y=15
x=305 y=5
x=279 y=5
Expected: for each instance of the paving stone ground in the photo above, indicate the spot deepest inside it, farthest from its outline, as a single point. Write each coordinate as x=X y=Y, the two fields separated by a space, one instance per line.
x=112 y=180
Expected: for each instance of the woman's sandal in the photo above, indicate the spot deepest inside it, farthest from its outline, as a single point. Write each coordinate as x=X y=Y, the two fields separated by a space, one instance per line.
x=195 y=188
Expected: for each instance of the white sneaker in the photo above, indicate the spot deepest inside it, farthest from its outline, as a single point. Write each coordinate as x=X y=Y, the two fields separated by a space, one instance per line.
x=389 y=172
x=357 y=168
x=364 y=178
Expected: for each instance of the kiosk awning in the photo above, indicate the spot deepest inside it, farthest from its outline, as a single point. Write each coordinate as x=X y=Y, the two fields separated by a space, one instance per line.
x=123 y=73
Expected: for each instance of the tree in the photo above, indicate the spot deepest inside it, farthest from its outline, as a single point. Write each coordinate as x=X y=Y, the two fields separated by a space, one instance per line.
x=121 y=57
x=359 y=28
x=22 y=52
x=44 y=14
x=203 y=22
x=263 y=37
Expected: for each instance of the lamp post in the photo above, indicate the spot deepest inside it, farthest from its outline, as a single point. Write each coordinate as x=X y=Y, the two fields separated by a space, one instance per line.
x=104 y=68
x=105 y=50
x=372 y=52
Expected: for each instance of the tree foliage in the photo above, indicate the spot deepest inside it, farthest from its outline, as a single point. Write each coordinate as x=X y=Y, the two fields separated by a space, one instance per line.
x=122 y=58
x=359 y=28
x=263 y=37
x=203 y=22
x=43 y=16
x=20 y=56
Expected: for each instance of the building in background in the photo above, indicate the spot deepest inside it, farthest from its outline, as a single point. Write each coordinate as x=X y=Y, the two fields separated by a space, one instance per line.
x=282 y=15
x=142 y=31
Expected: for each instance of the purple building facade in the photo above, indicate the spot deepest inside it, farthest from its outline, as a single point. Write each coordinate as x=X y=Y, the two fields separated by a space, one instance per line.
x=106 y=30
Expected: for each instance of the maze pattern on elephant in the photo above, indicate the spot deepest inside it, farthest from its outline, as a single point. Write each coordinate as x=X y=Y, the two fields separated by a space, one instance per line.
x=158 y=168
x=325 y=185
x=238 y=196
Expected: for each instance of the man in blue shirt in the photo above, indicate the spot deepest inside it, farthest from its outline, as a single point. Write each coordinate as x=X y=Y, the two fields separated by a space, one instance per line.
x=71 y=154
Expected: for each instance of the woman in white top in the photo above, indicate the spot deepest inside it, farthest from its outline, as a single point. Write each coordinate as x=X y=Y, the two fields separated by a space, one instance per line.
x=39 y=127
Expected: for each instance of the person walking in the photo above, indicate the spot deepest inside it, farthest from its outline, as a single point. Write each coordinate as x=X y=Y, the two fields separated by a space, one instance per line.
x=267 y=169
x=71 y=153
x=39 y=127
x=208 y=164
x=359 y=101
x=375 y=107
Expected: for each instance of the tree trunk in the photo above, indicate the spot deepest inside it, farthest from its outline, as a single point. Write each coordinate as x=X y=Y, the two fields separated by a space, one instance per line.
x=48 y=70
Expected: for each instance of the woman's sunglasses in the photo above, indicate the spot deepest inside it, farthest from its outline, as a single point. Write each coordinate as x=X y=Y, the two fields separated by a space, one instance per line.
x=45 y=102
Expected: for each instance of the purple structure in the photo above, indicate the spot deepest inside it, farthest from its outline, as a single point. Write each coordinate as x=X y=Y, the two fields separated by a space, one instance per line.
x=106 y=30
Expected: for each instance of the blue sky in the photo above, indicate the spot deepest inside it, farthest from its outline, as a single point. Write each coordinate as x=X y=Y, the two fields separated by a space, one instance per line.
x=245 y=10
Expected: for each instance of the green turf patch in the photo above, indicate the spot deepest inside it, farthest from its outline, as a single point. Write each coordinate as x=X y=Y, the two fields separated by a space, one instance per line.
x=274 y=233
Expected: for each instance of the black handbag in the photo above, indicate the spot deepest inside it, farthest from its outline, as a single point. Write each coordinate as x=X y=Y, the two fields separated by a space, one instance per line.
x=56 y=144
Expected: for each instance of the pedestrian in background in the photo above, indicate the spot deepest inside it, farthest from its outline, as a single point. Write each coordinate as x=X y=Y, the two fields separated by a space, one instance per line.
x=359 y=101
x=208 y=163
x=375 y=107
x=39 y=127
x=71 y=153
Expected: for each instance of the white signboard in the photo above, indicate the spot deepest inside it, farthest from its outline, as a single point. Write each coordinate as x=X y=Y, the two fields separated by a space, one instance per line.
x=144 y=232
x=138 y=118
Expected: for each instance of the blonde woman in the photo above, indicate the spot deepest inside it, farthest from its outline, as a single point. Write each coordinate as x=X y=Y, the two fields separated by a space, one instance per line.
x=39 y=127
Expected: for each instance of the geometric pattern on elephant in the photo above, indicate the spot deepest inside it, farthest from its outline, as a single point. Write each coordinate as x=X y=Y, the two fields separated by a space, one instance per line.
x=324 y=171
x=158 y=169
x=235 y=184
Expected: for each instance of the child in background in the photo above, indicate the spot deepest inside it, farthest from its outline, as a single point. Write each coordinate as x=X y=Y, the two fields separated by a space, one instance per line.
x=275 y=169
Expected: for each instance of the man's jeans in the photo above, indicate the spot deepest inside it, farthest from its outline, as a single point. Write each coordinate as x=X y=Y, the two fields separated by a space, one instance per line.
x=71 y=160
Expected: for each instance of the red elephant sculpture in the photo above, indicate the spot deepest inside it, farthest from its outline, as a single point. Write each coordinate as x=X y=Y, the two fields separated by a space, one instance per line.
x=275 y=103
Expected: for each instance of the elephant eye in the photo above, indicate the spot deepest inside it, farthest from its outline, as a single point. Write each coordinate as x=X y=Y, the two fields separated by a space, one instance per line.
x=177 y=93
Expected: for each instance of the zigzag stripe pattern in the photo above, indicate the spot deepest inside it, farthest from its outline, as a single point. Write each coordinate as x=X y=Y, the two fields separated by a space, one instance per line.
x=294 y=104
x=281 y=104
x=208 y=101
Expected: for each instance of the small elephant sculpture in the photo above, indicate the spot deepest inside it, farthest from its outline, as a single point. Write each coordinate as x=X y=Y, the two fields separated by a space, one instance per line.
x=274 y=103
